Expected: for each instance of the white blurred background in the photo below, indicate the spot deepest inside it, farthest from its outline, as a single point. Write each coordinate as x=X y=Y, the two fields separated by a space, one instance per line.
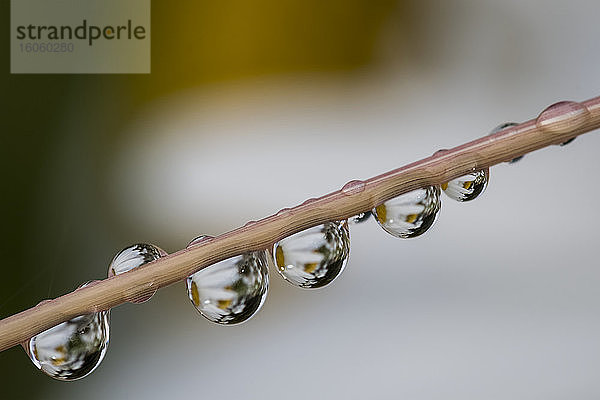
x=499 y=300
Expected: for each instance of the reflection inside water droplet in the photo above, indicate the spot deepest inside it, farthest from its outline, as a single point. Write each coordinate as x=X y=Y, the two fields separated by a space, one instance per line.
x=314 y=257
x=411 y=214
x=467 y=187
x=133 y=257
x=230 y=291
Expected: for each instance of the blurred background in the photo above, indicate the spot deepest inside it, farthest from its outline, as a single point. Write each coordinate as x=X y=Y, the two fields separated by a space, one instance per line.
x=256 y=106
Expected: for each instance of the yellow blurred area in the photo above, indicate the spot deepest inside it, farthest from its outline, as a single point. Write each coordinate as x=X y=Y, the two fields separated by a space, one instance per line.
x=199 y=42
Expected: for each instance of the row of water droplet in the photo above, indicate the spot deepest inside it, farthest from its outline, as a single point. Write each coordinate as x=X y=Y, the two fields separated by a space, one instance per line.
x=233 y=290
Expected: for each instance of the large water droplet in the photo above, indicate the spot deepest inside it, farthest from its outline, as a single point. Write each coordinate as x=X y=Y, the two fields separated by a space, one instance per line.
x=73 y=349
x=502 y=127
x=467 y=187
x=230 y=291
x=411 y=214
x=133 y=257
x=314 y=257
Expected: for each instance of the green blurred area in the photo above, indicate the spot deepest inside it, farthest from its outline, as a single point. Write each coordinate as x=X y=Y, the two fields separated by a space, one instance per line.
x=59 y=223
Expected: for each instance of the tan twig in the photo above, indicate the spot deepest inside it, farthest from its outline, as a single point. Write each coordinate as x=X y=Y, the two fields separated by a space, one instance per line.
x=556 y=124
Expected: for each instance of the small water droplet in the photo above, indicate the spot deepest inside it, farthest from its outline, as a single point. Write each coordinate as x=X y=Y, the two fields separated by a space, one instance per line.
x=199 y=239
x=73 y=349
x=516 y=160
x=562 y=117
x=467 y=187
x=567 y=142
x=284 y=212
x=89 y=284
x=314 y=257
x=362 y=217
x=133 y=257
x=353 y=187
x=502 y=127
x=411 y=214
x=230 y=291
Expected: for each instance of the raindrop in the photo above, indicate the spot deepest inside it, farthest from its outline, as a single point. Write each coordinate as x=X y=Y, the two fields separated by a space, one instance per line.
x=230 y=291
x=73 y=349
x=314 y=257
x=502 y=127
x=133 y=257
x=516 y=159
x=199 y=239
x=411 y=214
x=467 y=187
x=353 y=187
x=563 y=117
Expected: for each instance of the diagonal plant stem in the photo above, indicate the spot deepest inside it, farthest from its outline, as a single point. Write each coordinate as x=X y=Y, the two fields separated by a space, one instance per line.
x=556 y=124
